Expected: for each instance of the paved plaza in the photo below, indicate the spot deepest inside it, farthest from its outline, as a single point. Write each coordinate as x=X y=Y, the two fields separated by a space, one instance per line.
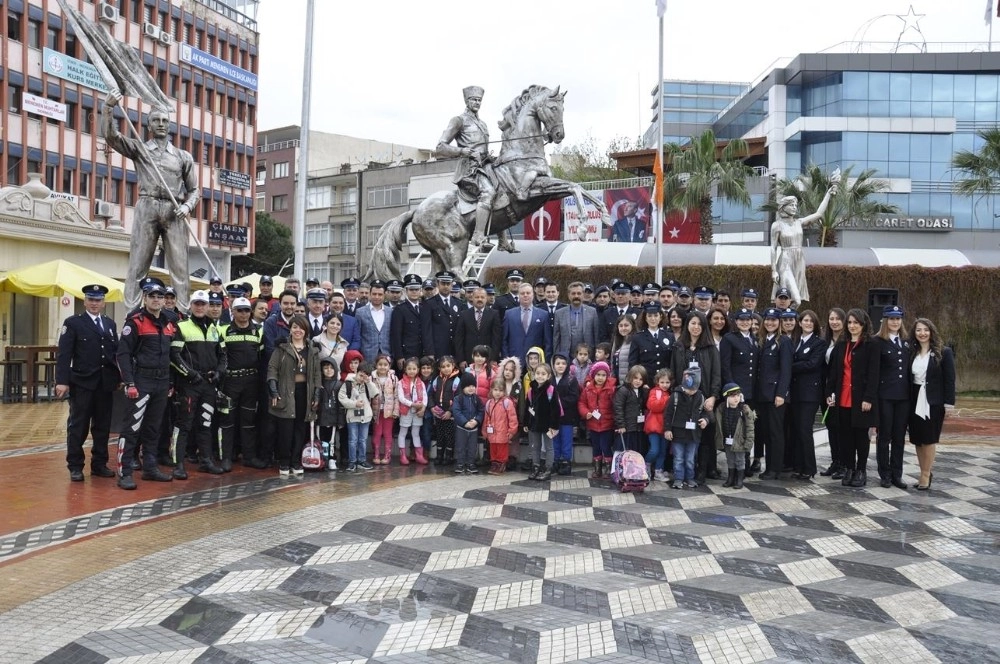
x=415 y=565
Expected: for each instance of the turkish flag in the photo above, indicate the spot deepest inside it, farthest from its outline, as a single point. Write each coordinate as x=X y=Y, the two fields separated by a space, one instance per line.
x=545 y=223
x=680 y=227
x=615 y=199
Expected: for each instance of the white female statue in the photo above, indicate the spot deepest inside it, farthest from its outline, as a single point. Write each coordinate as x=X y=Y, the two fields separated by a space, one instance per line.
x=788 y=267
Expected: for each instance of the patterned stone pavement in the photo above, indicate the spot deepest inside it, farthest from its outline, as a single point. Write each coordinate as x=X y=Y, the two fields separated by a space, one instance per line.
x=491 y=569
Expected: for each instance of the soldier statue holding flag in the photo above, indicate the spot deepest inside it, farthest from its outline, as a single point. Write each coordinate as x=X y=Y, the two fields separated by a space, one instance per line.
x=165 y=199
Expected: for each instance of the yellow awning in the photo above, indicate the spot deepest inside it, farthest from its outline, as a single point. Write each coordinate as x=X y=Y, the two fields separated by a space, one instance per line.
x=53 y=278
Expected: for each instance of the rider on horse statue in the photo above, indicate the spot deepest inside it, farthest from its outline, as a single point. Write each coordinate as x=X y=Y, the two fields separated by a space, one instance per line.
x=475 y=181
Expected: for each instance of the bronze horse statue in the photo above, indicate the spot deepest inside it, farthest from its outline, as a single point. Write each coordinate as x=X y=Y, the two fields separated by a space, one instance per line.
x=524 y=185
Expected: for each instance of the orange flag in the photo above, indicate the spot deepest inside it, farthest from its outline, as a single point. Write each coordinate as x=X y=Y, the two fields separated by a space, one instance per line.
x=658 y=181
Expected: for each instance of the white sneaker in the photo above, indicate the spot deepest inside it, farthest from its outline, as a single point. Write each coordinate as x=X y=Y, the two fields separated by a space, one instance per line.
x=331 y=465
x=284 y=472
x=298 y=471
x=660 y=476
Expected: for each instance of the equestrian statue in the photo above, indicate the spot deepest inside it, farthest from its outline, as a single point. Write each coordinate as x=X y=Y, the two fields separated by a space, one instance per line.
x=492 y=194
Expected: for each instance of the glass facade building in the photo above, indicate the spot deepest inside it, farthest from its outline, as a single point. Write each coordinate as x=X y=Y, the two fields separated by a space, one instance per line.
x=689 y=107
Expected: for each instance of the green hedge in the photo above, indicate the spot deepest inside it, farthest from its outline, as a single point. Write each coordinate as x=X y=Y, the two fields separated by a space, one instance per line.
x=962 y=302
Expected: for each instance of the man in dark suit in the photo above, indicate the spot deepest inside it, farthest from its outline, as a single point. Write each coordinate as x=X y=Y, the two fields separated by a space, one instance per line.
x=575 y=324
x=404 y=328
x=437 y=318
x=477 y=326
x=621 y=306
x=351 y=286
x=551 y=303
x=629 y=228
x=86 y=370
x=526 y=326
x=509 y=299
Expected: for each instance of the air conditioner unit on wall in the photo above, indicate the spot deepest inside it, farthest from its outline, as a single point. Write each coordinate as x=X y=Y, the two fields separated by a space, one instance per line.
x=108 y=12
x=103 y=209
x=151 y=30
x=165 y=38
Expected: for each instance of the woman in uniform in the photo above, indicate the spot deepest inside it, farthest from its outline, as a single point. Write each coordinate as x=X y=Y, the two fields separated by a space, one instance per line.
x=835 y=326
x=652 y=343
x=774 y=380
x=893 y=397
x=932 y=388
x=808 y=361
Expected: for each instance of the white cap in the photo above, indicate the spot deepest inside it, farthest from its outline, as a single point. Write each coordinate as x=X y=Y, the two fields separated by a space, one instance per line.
x=199 y=296
x=242 y=302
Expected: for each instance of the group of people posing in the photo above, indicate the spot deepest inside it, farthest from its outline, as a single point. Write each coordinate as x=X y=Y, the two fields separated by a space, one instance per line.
x=432 y=370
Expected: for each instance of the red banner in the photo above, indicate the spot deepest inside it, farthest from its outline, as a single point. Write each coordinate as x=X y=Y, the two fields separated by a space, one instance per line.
x=546 y=223
x=681 y=228
x=615 y=200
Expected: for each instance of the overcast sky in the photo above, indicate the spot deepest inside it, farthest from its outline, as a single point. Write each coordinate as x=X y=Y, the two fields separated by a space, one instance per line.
x=393 y=70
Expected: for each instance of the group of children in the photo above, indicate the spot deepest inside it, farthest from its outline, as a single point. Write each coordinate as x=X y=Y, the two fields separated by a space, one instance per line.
x=434 y=400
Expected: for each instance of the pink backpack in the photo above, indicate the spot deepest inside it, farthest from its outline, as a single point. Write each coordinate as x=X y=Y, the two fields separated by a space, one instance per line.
x=312 y=456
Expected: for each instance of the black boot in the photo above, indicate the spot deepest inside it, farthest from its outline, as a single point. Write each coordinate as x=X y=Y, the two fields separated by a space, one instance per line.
x=838 y=472
x=847 y=478
x=449 y=455
x=546 y=473
x=731 y=479
x=830 y=470
x=179 y=472
x=208 y=466
x=152 y=473
x=598 y=469
x=738 y=484
x=535 y=472
x=860 y=479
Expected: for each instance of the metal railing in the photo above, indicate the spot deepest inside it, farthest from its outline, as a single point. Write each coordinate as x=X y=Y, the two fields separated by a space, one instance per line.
x=280 y=145
x=625 y=183
x=343 y=208
x=229 y=12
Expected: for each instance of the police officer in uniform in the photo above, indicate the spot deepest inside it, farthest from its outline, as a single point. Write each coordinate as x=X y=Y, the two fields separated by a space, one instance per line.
x=404 y=328
x=86 y=371
x=244 y=345
x=654 y=348
x=509 y=299
x=893 y=396
x=622 y=306
x=739 y=353
x=351 y=287
x=198 y=354
x=144 y=362
x=438 y=316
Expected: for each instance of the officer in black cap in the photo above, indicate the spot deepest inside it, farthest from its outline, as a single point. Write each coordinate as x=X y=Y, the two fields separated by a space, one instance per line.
x=404 y=327
x=267 y=294
x=683 y=304
x=144 y=361
x=351 y=287
x=602 y=298
x=650 y=293
x=783 y=298
x=393 y=293
x=491 y=294
x=588 y=294
x=635 y=297
x=540 y=284
x=703 y=299
x=621 y=307
x=749 y=297
x=438 y=316
x=218 y=309
x=86 y=371
x=509 y=299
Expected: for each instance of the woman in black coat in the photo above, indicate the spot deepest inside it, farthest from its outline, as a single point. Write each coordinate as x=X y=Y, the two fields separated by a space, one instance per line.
x=808 y=361
x=652 y=343
x=893 y=397
x=852 y=394
x=932 y=387
x=696 y=348
x=774 y=382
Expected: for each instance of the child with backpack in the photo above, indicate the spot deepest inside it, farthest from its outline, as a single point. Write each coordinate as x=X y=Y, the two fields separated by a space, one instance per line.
x=569 y=395
x=656 y=404
x=412 y=396
x=467 y=411
x=684 y=418
x=544 y=412
x=444 y=388
x=500 y=426
x=734 y=432
x=331 y=413
x=356 y=396
x=596 y=408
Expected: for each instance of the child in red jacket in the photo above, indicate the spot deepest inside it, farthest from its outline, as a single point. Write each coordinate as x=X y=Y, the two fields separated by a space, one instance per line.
x=597 y=409
x=500 y=426
x=657 y=402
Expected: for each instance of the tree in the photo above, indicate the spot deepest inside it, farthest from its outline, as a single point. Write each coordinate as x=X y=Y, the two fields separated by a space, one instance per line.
x=273 y=242
x=588 y=162
x=699 y=167
x=982 y=168
x=853 y=200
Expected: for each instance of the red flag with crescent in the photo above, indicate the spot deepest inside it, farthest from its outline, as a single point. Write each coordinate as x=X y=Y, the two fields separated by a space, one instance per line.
x=545 y=223
x=682 y=227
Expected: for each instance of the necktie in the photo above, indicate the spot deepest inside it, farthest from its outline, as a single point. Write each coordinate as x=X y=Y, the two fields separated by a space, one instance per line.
x=552 y=309
x=100 y=325
x=750 y=342
x=479 y=318
x=631 y=228
x=899 y=342
x=416 y=308
x=525 y=319
x=315 y=327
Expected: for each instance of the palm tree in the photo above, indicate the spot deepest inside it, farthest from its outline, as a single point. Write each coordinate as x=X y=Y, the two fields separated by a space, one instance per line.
x=704 y=167
x=982 y=167
x=852 y=201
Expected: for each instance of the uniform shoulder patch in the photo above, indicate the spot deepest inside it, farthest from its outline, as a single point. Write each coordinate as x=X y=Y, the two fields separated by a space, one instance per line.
x=126 y=330
x=62 y=330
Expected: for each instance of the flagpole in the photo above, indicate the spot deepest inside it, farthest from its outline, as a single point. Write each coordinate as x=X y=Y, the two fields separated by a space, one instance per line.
x=299 y=222
x=659 y=149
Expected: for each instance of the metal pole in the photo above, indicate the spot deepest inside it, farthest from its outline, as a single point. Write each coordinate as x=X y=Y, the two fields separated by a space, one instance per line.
x=299 y=221
x=659 y=149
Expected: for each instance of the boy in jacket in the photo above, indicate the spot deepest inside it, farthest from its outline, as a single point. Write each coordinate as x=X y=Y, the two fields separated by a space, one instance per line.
x=734 y=432
x=331 y=413
x=685 y=418
x=467 y=411
x=356 y=395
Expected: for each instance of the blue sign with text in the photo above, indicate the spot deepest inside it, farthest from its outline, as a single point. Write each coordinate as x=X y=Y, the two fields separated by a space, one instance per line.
x=210 y=63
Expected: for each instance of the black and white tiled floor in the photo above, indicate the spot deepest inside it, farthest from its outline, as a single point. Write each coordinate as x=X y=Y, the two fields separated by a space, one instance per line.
x=573 y=571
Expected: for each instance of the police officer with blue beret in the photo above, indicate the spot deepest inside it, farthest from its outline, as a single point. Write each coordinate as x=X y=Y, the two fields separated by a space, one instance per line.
x=86 y=371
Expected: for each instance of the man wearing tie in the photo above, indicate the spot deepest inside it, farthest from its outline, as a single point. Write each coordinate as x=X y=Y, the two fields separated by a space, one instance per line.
x=621 y=306
x=575 y=324
x=404 y=328
x=316 y=306
x=526 y=326
x=351 y=287
x=629 y=228
x=86 y=370
x=437 y=318
x=477 y=326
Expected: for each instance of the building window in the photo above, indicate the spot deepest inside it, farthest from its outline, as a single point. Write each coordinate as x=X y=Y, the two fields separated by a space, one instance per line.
x=99 y=191
x=348 y=239
x=135 y=10
x=317 y=271
x=391 y=195
x=14 y=170
x=70 y=49
x=261 y=203
x=280 y=170
x=317 y=236
x=261 y=175
x=279 y=203
x=70 y=115
x=34 y=33
x=319 y=197
x=52 y=39
x=50 y=176
x=67 y=181
x=130 y=188
x=114 y=194
x=13 y=98
x=372 y=236
x=85 y=185
x=14 y=27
